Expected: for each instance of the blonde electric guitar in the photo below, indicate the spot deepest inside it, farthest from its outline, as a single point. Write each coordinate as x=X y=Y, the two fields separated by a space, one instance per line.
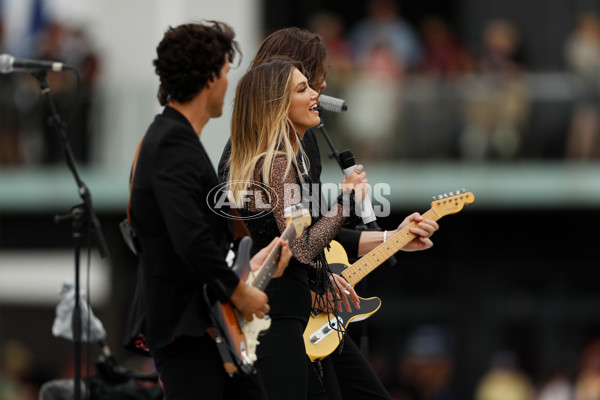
x=321 y=334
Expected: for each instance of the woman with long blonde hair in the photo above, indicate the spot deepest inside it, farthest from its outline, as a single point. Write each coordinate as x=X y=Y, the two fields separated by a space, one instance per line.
x=260 y=124
x=274 y=107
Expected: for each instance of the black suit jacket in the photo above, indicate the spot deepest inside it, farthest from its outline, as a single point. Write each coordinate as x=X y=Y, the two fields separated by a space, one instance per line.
x=183 y=242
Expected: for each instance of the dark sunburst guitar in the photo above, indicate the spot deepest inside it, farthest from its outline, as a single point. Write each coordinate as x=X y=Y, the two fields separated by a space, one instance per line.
x=321 y=334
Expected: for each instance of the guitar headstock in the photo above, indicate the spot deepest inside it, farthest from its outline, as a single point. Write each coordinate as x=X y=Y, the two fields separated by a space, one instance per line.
x=451 y=203
x=298 y=216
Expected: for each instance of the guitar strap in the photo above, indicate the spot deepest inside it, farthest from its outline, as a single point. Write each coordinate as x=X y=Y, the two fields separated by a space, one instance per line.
x=223 y=349
x=135 y=160
x=239 y=227
x=126 y=226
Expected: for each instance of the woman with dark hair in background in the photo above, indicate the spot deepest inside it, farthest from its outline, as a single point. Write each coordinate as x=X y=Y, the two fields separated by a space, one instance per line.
x=346 y=374
x=273 y=109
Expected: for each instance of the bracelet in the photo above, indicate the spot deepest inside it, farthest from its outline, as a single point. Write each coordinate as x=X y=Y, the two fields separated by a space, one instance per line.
x=384 y=236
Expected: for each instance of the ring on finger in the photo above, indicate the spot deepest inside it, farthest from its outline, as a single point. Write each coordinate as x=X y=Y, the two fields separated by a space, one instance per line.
x=347 y=286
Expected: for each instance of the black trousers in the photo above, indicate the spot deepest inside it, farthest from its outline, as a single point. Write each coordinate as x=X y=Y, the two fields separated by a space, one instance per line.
x=349 y=376
x=283 y=364
x=191 y=369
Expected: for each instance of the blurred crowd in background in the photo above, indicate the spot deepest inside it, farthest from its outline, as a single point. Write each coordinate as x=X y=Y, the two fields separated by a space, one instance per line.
x=421 y=92
x=423 y=369
x=26 y=138
x=416 y=91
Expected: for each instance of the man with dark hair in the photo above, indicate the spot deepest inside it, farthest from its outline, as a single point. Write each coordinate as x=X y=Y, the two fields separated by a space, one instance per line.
x=184 y=243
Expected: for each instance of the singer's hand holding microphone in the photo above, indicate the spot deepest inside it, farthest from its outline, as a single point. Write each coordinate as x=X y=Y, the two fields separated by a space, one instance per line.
x=357 y=180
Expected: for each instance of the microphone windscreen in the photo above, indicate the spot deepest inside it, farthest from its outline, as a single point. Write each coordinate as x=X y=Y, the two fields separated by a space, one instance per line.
x=333 y=104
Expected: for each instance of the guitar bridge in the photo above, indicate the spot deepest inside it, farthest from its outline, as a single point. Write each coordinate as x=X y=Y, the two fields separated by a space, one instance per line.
x=326 y=330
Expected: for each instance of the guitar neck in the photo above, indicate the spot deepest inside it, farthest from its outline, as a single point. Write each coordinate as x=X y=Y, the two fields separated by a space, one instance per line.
x=270 y=265
x=357 y=271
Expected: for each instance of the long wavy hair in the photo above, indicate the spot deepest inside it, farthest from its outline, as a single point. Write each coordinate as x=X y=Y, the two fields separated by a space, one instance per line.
x=260 y=125
x=297 y=44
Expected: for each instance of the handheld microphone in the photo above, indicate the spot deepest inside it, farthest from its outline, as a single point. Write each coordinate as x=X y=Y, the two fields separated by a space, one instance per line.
x=349 y=165
x=333 y=104
x=9 y=64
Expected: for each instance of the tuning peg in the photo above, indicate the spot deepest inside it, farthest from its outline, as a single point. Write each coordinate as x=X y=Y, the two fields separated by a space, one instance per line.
x=451 y=193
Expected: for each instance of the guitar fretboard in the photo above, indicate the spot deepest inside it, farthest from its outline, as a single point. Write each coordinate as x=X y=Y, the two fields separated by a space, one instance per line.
x=270 y=265
x=357 y=271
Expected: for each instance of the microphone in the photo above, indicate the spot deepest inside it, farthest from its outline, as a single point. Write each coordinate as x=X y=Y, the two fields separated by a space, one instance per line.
x=348 y=164
x=9 y=64
x=333 y=104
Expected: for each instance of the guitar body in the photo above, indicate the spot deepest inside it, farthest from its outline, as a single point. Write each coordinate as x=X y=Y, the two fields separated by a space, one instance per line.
x=320 y=337
x=241 y=335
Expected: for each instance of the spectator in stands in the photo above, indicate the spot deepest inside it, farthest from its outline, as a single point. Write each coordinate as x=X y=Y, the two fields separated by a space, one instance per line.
x=497 y=102
x=383 y=27
x=505 y=379
x=582 y=53
x=587 y=382
x=445 y=57
x=11 y=144
x=70 y=45
x=385 y=47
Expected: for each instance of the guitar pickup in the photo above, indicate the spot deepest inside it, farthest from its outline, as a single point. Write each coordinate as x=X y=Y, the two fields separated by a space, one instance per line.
x=321 y=333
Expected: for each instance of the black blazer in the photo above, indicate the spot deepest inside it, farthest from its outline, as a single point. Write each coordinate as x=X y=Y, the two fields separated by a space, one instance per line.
x=183 y=242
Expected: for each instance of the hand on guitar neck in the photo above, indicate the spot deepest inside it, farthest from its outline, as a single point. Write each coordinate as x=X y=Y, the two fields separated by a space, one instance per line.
x=422 y=228
x=259 y=258
x=251 y=301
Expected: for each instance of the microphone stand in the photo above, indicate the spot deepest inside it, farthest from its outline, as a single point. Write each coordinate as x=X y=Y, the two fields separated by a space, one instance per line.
x=79 y=214
x=371 y=226
x=334 y=153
